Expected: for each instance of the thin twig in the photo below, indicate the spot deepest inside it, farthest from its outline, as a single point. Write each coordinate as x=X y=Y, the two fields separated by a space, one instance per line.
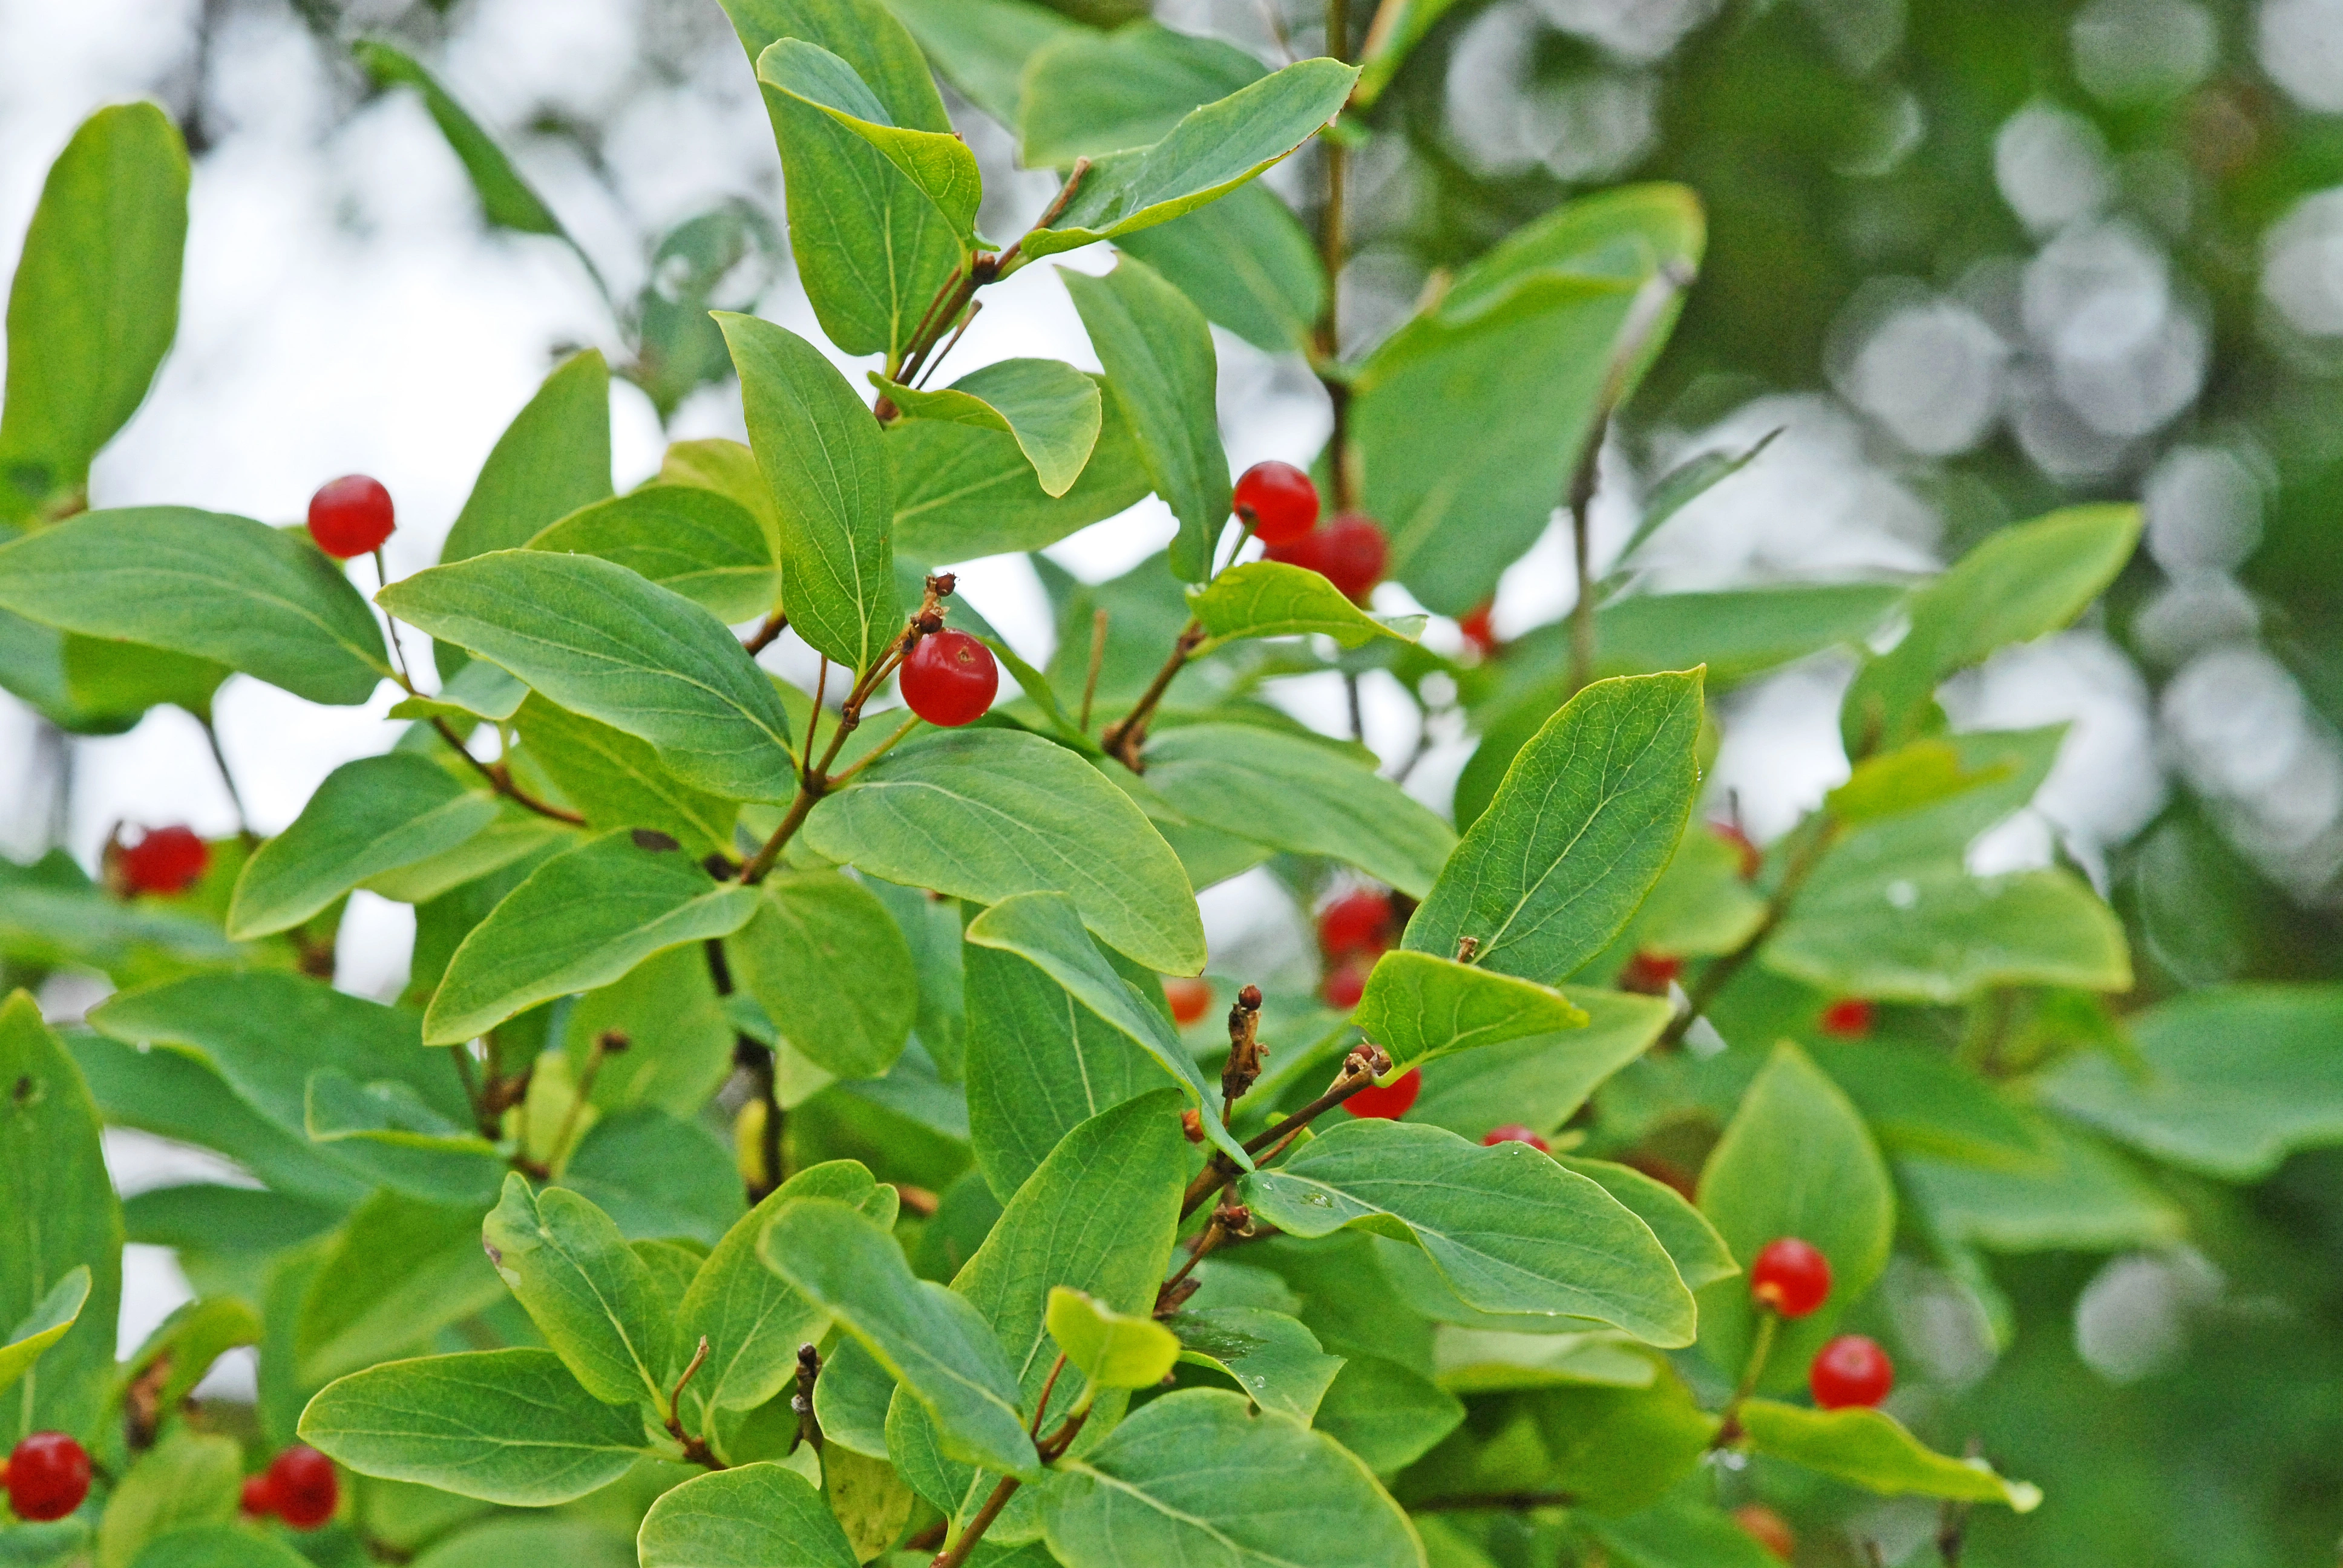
x=1041 y=1404
x=1360 y=1069
x=1721 y=970
x=1581 y=529
x=234 y=796
x=695 y=1449
x=801 y=1402
x=500 y=778
x=1331 y=239
x=975 y=307
x=764 y=635
x=1123 y=738
x=1098 y=658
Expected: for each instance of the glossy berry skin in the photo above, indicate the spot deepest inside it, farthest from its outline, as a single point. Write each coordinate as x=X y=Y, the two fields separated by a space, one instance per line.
x=1357 y=922
x=1650 y=974
x=1768 y=1529
x=1514 y=1132
x=350 y=516
x=1479 y=634
x=48 y=1475
x=1190 y=999
x=166 y=860
x=1850 y=1371
x=949 y=679
x=1791 y=1276
x=259 y=1497
x=1279 y=500
x=1387 y=1102
x=1849 y=1019
x=303 y=1484
x=1349 y=552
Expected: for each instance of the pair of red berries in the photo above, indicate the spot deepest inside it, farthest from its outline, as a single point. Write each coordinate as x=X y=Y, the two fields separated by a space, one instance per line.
x=164 y=860
x=299 y=1487
x=1281 y=504
x=1793 y=1278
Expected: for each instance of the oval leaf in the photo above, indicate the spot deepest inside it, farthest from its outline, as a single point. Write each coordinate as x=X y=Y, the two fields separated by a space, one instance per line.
x=1051 y=409
x=758 y=1516
x=1418 y=1007
x=369 y=816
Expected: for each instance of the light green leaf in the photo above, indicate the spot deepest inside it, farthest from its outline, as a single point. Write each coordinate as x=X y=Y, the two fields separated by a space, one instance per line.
x=187 y=1478
x=221 y=1546
x=2022 y=582
x=1701 y=1256
x=981 y=46
x=478 y=691
x=822 y=455
x=955 y=814
x=588 y=1293
x=1915 y=774
x=553 y=458
x=1795 y=1161
x=58 y=1219
x=831 y=969
x=1418 y=1007
x=656 y=1175
x=396 y=1272
x=1681 y=1536
x=504 y=1426
x=1737 y=634
x=217 y=586
x=701 y=543
x=937 y=1346
x=2230 y=1078
x=1389 y=45
x=1114 y=1349
x=387 y=1130
x=1272 y=599
x=1387 y=1414
x=938 y=162
x=1272 y=1357
x=1541 y=1083
x=871 y=1501
x=368 y=817
x=45 y=1325
x=598 y=640
x=1218 y=148
x=618 y=782
x=963 y=491
x=505 y=195
x=2083 y=1197
x=517 y=838
x=1873 y=1450
x=1087 y=94
x=756 y=1516
x=94 y=304
x=1197 y=1476
x=1051 y=409
x=1507 y=1229
x=1586 y=819
x=582 y=920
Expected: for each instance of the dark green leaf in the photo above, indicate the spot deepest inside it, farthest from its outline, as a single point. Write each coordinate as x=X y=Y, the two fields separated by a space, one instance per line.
x=938 y=162
x=758 y=1516
x=656 y=1175
x=397 y=1273
x=1272 y=1357
x=1051 y=410
x=369 y=816
x=1919 y=1101
x=701 y=543
x=1385 y=1413
x=1089 y=94
x=1246 y=262
x=618 y=782
x=963 y=491
x=830 y=967
x=2084 y=1198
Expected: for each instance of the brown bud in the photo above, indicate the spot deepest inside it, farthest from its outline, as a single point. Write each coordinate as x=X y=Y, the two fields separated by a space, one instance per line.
x=1249 y=999
x=928 y=622
x=943 y=584
x=1175 y=1295
x=1192 y=1122
x=1234 y=1217
x=612 y=1041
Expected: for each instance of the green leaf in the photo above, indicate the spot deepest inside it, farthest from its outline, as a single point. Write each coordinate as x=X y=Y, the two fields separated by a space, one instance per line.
x=582 y=920
x=1795 y=1161
x=1196 y=1477
x=938 y=162
x=1873 y=1450
x=701 y=543
x=600 y=641
x=656 y=1175
x=220 y=587
x=618 y=782
x=937 y=1345
x=753 y=1320
x=504 y=1426
x=369 y=816
x=1541 y=1082
x=188 y=1478
x=1052 y=410
x=1917 y=1100
x=955 y=814
x=1418 y=1007
x=872 y=248
x=756 y=1516
x=1389 y=45
x=1043 y=930
x=478 y=691
x=1586 y=819
x=963 y=491
x=1210 y=152
x=1387 y=1414
x=388 y=1132
x=2022 y=582
x=1246 y=262
x=1681 y=1536
x=1300 y=795
x=1915 y=774
x=1087 y=94
x=1114 y=1349
x=981 y=46
x=59 y=1220
x=1272 y=1357
x=45 y=1325
x=831 y=969
x=552 y=459
x=1700 y=1254
x=1270 y=598
x=1554 y=323
x=1738 y=633
x=931 y=929
x=505 y=198
x=1160 y=364
x=219 y=1546
x=397 y=1273
x=1507 y=1229
x=181 y=1351
x=96 y=302
x=823 y=457
x=2083 y=1197
x=2230 y=1080
x=588 y=1293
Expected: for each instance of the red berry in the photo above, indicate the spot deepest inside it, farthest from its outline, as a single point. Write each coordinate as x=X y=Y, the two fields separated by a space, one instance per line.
x=1791 y=1276
x=1477 y=630
x=1514 y=1132
x=48 y=1475
x=1387 y=1102
x=260 y=1494
x=1847 y=1020
x=1279 y=500
x=1650 y=974
x=166 y=860
x=1850 y=1370
x=1767 y=1528
x=1344 y=984
x=1357 y=922
x=949 y=679
x=1751 y=856
x=1190 y=999
x=302 y=1483
x=350 y=516
x=1349 y=552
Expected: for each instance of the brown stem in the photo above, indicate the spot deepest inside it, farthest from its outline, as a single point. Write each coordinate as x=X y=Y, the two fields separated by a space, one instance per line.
x=1041 y=1404
x=763 y=637
x=1359 y=1069
x=801 y=1402
x=1581 y=527
x=1209 y=1237
x=1123 y=738
x=1007 y=261
x=500 y=778
x=953 y=1555
x=967 y=320
x=1098 y=658
x=695 y=1449
x=1720 y=972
